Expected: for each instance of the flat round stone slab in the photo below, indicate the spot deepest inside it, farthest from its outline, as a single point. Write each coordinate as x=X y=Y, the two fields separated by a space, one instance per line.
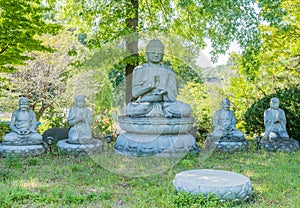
x=22 y=151
x=225 y=185
x=76 y=149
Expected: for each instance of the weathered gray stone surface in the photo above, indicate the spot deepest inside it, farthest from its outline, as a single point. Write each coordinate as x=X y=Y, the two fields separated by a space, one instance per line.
x=155 y=122
x=23 y=126
x=145 y=145
x=276 y=137
x=94 y=147
x=155 y=125
x=154 y=87
x=281 y=145
x=225 y=185
x=225 y=136
x=225 y=145
x=275 y=122
x=225 y=123
x=23 y=140
x=22 y=151
x=80 y=120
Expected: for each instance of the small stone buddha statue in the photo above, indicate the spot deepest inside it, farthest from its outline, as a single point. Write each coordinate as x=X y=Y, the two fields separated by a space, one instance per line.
x=24 y=126
x=275 y=122
x=225 y=123
x=80 y=120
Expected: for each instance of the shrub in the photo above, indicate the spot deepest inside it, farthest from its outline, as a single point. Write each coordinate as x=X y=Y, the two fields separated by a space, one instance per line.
x=4 y=128
x=197 y=96
x=289 y=102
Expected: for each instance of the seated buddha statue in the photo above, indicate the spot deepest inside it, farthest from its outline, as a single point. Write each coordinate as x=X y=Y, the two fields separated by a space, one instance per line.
x=24 y=126
x=154 y=88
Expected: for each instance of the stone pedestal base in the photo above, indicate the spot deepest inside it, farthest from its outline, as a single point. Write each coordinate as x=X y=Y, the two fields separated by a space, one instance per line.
x=284 y=145
x=22 y=151
x=76 y=149
x=146 y=145
x=146 y=136
x=226 y=145
x=225 y=185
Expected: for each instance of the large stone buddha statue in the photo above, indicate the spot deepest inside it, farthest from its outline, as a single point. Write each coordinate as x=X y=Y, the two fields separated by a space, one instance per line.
x=154 y=87
x=155 y=122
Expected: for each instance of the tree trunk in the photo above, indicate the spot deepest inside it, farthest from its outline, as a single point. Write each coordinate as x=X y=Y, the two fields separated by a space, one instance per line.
x=132 y=47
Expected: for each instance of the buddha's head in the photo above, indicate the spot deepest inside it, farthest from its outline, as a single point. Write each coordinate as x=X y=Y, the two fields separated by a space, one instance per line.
x=80 y=101
x=274 y=103
x=23 y=104
x=225 y=104
x=155 y=51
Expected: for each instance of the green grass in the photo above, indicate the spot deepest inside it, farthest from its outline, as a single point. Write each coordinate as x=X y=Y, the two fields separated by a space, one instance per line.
x=54 y=180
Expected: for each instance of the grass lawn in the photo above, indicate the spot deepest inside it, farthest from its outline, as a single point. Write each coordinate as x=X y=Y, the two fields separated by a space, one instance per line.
x=54 y=180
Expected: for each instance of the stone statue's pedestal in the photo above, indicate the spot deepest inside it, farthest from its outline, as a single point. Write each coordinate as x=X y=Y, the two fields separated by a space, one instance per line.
x=226 y=145
x=225 y=185
x=93 y=147
x=22 y=150
x=279 y=145
x=147 y=136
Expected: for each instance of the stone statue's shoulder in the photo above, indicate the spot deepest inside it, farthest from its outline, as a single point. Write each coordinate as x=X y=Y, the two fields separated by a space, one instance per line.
x=143 y=66
x=268 y=110
x=88 y=110
x=168 y=68
x=218 y=111
x=15 y=112
x=32 y=113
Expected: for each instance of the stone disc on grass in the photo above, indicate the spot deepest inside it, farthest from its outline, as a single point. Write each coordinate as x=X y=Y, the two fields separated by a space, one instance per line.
x=225 y=185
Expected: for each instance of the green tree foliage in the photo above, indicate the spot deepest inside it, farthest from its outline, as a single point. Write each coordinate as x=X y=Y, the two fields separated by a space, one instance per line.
x=276 y=66
x=43 y=79
x=289 y=102
x=281 y=48
x=21 y=22
x=221 y=21
x=197 y=96
x=193 y=20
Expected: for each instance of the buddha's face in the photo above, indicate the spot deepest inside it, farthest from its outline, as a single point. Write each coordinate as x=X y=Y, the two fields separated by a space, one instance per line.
x=274 y=103
x=155 y=55
x=80 y=103
x=225 y=105
x=23 y=104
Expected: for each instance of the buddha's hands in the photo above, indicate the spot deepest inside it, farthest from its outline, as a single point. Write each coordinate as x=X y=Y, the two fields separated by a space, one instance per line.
x=80 y=117
x=227 y=128
x=23 y=132
x=159 y=92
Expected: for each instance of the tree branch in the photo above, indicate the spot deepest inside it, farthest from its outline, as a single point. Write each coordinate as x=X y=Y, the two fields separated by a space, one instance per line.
x=3 y=49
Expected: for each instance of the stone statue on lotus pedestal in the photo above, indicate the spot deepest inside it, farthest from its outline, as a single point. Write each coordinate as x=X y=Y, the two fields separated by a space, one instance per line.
x=24 y=139
x=80 y=138
x=276 y=137
x=225 y=136
x=155 y=122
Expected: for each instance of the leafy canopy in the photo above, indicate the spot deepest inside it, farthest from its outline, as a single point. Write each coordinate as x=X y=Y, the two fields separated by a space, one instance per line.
x=221 y=21
x=21 y=22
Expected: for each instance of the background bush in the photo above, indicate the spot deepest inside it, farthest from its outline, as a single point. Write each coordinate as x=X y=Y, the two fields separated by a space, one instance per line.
x=289 y=102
